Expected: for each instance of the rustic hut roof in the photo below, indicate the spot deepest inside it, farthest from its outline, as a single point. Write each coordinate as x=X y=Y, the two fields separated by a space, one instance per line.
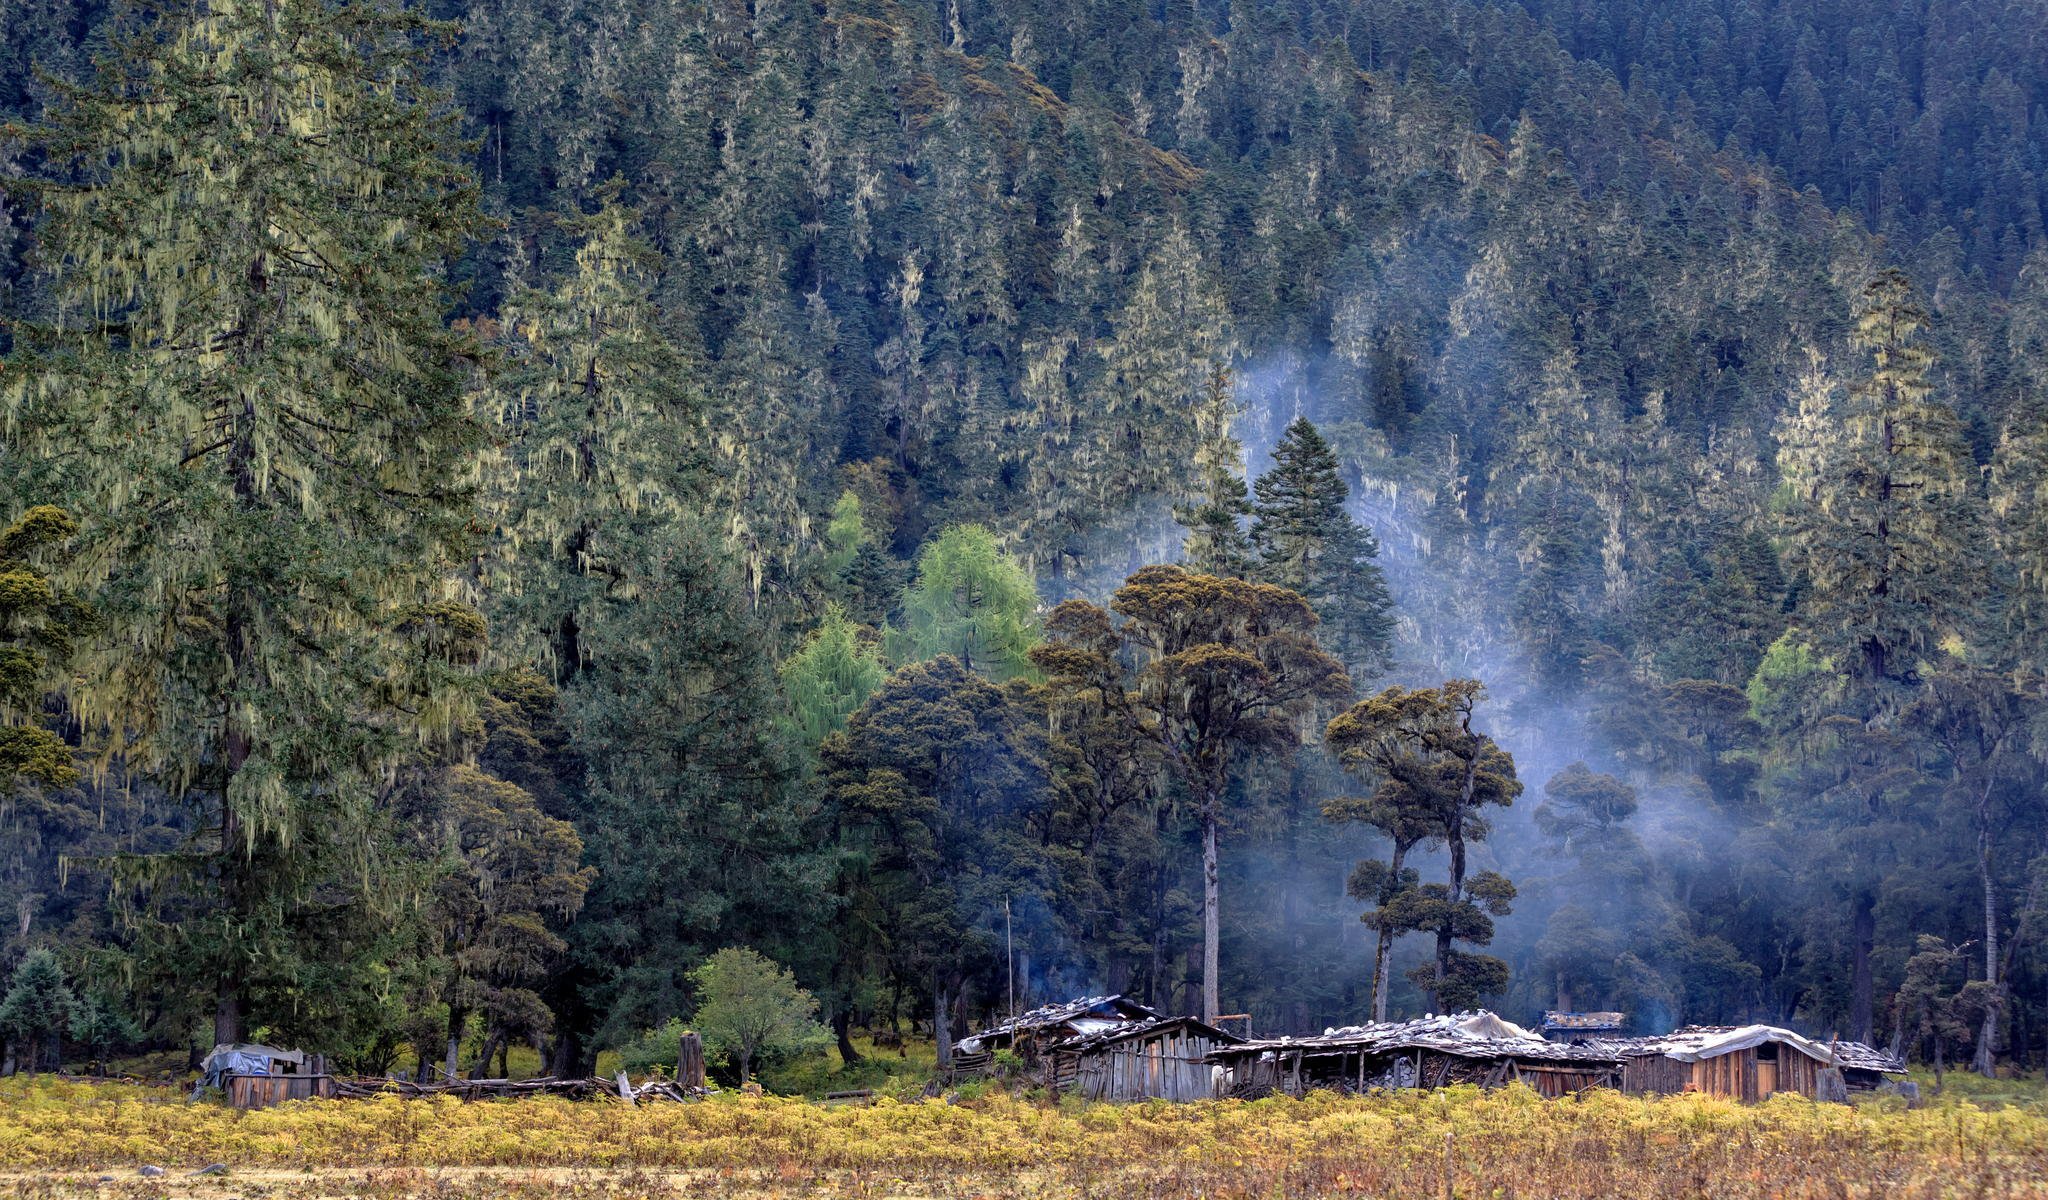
x=1862 y=1056
x=1577 y=1021
x=1149 y=1027
x=1695 y=1042
x=1089 y=1014
x=1467 y=1035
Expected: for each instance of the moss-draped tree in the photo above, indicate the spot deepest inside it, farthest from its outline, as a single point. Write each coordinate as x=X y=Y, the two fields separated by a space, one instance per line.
x=250 y=393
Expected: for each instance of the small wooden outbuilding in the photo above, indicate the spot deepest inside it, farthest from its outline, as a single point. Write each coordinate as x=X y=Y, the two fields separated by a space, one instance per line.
x=1747 y=1062
x=255 y=1076
x=1158 y=1059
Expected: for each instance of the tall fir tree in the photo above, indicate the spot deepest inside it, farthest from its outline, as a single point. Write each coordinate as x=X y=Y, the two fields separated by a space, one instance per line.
x=1218 y=542
x=1882 y=519
x=258 y=411
x=1308 y=543
x=608 y=568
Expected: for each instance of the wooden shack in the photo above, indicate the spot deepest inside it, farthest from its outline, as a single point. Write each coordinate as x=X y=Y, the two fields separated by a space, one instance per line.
x=1746 y=1062
x=1475 y=1047
x=255 y=1076
x=1162 y=1059
x=1032 y=1034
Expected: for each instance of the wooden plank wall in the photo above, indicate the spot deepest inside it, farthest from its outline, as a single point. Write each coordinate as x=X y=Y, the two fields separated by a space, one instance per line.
x=1732 y=1076
x=262 y=1091
x=1167 y=1068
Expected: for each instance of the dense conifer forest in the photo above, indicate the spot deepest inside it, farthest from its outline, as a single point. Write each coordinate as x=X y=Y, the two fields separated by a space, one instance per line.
x=1322 y=510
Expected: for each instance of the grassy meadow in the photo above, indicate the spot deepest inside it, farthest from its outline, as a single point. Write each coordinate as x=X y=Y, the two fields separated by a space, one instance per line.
x=64 y=1139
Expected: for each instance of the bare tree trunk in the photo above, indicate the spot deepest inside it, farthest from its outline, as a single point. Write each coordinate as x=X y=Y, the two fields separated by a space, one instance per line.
x=942 y=1024
x=483 y=1060
x=1861 y=985
x=1985 y=1061
x=1383 y=953
x=227 y=1014
x=453 y=1063
x=1211 y=922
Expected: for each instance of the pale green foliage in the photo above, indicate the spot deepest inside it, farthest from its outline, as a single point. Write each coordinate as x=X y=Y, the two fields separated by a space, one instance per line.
x=39 y=625
x=748 y=1006
x=1217 y=542
x=1790 y=683
x=1881 y=515
x=844 y=533
x=828 y=678
x=249 y=393
x=599 y=415
x=970 y=600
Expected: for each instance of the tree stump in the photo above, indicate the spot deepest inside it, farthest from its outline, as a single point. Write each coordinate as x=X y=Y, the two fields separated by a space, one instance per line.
x=1830 y=1087
x=690 y=1061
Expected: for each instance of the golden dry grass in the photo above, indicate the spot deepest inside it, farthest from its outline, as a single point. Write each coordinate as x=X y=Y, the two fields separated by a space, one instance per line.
x=57 y=1139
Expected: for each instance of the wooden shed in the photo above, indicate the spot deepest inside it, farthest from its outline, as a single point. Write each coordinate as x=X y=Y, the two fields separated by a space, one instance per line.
x=1162 y=1059
x=255 y=1076
x=1476 y=1047
x=1746 y=1062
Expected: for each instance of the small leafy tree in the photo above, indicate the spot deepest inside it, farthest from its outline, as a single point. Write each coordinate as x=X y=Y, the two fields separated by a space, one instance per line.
x=972 y=601
x=749 y=1006
x=831 y=675
x=38 y=1004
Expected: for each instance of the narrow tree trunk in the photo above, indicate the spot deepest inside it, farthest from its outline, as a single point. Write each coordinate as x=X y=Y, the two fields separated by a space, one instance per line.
x=842 y=1028
x=227 y=1012
x=1455 y=840
x=942 y=1027
x=1383 y=953
x=1985 y=1061
x=452 y=1065
x=1211 y=921
x=1863 y=936
x=483 y=1060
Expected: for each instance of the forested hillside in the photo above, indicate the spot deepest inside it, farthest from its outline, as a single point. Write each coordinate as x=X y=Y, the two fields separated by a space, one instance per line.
x=504 y=502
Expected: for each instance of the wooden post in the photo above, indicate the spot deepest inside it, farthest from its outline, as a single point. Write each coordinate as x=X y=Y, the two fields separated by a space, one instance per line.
x=690 y=1061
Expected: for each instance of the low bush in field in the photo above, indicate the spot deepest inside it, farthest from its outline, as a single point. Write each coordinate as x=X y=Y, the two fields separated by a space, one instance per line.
x=1506 y=1143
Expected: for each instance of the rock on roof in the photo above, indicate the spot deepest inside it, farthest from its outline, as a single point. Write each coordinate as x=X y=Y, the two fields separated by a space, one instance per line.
x=1145 y=1028
x=1110 y=1011
x=1469 y=1035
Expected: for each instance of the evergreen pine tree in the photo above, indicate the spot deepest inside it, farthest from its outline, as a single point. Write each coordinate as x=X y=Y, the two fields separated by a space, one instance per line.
x=250 y=392
x=1308 y=543
x=1217 y=541
x=1883 y=520
x=38 y=1006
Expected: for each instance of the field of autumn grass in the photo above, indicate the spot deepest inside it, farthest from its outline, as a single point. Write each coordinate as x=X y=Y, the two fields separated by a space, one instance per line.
x=64 y=1139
